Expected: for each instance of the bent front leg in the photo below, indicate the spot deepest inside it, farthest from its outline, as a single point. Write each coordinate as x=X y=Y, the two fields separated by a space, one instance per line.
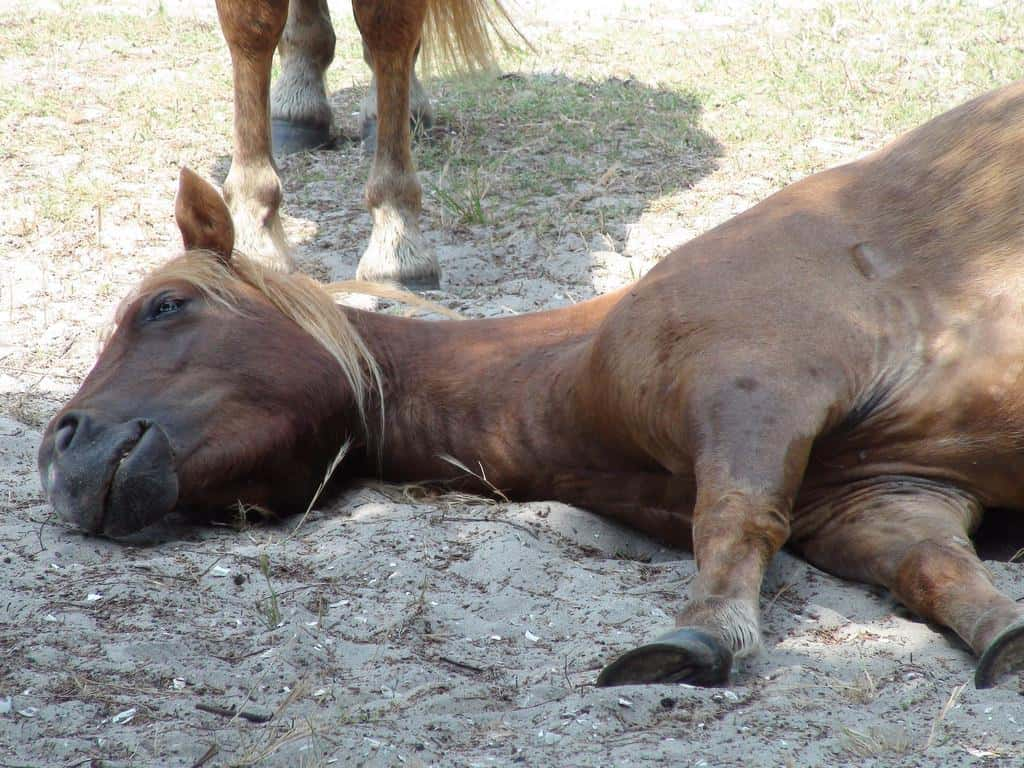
x=751 y=452
x=912 y=536
x=252 y=188
x=391 y=33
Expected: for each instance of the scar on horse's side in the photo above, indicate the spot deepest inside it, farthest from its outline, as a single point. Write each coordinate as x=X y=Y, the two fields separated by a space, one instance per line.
x=296 y=115
x=839 y=369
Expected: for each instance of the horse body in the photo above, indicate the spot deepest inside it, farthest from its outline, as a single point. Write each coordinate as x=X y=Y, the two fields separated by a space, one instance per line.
x=839 y=370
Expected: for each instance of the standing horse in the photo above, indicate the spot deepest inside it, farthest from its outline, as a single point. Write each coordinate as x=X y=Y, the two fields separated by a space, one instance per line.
x=839 y=369
x=297 y=116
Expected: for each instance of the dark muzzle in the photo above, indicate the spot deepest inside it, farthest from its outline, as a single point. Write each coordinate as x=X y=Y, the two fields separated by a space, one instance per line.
x=113 y=479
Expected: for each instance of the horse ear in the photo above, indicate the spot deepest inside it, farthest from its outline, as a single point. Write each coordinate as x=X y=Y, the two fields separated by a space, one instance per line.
x=203 y=216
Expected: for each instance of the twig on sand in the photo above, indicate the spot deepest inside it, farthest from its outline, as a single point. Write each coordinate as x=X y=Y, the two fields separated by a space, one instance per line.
x=782 y=590
x=245 y=714
x=208 y=755
x=461 y=664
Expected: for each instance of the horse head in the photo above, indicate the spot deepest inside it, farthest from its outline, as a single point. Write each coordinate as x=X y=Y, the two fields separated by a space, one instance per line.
x=222 y=383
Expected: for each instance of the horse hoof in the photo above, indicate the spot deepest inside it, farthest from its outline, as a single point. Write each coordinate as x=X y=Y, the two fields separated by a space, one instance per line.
x=289 y=137
x=1005 y=654
x=425 y=283
x=686 y=655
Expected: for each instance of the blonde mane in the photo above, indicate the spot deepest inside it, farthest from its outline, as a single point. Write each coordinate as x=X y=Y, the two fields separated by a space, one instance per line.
x=299 y=298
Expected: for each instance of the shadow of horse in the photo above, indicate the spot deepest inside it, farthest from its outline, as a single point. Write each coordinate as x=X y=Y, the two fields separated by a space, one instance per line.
x=534 y=185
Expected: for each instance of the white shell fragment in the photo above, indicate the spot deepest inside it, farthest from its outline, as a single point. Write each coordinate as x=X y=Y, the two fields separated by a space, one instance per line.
x=123 y=717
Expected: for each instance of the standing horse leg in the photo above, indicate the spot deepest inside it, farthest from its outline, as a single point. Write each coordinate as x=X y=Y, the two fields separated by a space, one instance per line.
x=421 y=114
x=300 y=115
x=252 y=188
x=751 y=450
x=391 y=33
x=911 y=536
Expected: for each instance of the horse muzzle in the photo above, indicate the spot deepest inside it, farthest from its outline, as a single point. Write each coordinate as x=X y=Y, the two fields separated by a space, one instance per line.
x=109 y=478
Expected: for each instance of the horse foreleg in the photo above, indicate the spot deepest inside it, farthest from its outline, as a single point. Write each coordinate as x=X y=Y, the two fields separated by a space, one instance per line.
x=397 y=251
x=911 y=536
x=299 y=111
x=750 y=451
x=421 y=114
x=252 y=188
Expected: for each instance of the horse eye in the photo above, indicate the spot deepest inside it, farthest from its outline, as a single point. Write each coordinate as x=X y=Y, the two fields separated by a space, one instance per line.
x=166 y=306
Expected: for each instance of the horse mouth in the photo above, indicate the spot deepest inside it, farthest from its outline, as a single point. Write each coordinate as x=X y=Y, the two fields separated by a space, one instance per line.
x=143 y=485
x=105 y=509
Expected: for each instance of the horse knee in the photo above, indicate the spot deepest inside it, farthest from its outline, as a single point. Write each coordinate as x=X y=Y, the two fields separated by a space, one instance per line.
x=252 y=28
x=389 y=27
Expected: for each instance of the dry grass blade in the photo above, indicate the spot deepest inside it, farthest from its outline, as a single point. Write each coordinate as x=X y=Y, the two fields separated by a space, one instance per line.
x=323 y=484
x=208 y=755
x=875 y=741
x=953 y=696
x=861 y=690
x=297 y=732
x=481 y=475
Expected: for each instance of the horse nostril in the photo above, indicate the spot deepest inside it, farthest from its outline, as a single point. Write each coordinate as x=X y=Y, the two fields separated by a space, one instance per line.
x=66 y=429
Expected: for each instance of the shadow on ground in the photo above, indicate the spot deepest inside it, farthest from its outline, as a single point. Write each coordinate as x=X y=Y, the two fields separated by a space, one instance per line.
x=525 y=176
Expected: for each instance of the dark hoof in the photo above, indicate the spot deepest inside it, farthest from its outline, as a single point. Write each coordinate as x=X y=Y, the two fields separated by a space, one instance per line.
x=289 y=137
x=1004 y=655
x=686 y=655
x=424 y=283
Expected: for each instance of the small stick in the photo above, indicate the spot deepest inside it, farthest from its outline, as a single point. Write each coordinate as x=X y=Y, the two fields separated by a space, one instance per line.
x=245 y=714
x=207 y=756
x=461 y=664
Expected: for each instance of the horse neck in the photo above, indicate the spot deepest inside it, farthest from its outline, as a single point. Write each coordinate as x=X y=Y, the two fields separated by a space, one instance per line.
x=494 y=395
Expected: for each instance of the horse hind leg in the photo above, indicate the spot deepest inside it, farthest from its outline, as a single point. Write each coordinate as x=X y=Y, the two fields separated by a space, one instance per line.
x=252 y=188
x=396 y=251
x=300 y=114
x=911 y=536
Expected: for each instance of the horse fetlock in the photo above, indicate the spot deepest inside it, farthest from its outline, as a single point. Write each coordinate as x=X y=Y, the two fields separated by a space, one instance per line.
x=300 y=96
x=258 y=229
x=734 y=622
x=993 y=623
x=397 y=251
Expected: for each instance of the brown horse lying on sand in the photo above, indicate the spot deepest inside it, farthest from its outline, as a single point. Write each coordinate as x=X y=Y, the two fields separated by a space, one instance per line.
x=300 y=116
x=840 y=369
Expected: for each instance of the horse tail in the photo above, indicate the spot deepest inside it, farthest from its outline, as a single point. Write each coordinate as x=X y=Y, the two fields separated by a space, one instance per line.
x=457 y=33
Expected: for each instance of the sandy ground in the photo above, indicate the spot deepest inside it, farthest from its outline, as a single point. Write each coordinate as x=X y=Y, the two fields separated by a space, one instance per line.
x=389 y=630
